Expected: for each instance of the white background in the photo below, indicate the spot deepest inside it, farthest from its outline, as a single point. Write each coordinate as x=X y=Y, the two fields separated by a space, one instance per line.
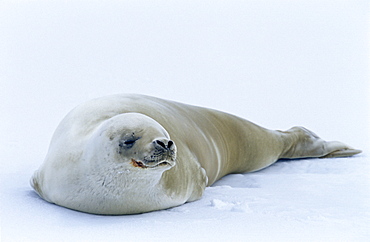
x=276 y=63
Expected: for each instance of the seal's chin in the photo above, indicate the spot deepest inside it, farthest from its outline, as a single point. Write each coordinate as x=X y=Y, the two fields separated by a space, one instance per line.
x=141 y=164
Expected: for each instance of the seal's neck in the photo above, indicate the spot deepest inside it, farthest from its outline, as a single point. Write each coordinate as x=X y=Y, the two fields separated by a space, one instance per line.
x=116 y=190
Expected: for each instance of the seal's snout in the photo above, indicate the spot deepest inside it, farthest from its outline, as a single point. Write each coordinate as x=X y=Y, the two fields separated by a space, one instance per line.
x=163 y=144
x=164 y=150
x=162 y=155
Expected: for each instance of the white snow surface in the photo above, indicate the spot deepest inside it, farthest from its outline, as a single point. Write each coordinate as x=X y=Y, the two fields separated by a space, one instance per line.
x=276 y=63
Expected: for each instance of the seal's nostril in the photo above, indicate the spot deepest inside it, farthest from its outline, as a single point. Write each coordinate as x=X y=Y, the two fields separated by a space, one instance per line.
x=164 y=143
x=161 y=143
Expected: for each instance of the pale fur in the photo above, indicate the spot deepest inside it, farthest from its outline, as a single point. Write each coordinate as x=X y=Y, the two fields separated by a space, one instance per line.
x=85 y=170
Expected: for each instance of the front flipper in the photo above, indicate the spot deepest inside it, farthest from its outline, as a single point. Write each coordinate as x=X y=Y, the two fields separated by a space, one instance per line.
x=303 y=143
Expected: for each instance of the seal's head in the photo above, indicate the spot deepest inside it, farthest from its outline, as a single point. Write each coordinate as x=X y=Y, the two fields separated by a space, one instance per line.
x=123 y=164
x=134 y=141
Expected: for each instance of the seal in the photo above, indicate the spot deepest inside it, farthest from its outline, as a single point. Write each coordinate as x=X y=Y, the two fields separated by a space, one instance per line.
x=127 y=154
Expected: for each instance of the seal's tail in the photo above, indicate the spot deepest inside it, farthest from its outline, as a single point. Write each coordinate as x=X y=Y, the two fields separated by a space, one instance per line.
x=303 y=143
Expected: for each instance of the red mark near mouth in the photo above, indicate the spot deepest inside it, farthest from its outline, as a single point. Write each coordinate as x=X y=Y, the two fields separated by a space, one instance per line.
x=136 y=163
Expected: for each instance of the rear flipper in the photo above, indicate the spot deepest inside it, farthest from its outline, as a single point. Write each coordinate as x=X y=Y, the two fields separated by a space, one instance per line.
x=303 y=143
x=342 y=153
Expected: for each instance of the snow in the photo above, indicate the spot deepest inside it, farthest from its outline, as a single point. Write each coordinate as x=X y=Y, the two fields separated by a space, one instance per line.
x=276 y=63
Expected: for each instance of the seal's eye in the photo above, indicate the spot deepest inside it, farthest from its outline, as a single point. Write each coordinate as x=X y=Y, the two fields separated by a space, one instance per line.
x=128 y=143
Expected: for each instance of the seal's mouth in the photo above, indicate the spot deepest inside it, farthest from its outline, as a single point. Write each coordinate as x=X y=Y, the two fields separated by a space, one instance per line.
x=141 y=164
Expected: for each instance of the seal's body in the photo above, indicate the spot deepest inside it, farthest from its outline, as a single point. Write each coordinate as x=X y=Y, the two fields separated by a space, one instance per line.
x=127 y=154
